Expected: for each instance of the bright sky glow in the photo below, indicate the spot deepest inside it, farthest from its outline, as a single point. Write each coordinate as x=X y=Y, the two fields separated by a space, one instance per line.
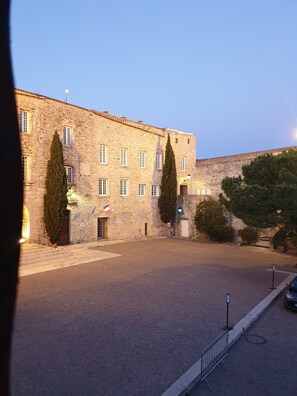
x=223 y=69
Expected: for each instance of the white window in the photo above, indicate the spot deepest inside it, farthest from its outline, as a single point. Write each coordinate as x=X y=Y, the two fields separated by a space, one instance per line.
x=102 y=186
x=102 y=154
x=26 y=168
x=204 y=191
x=124 y=156
x=183 y=163
x=159 y=161
x=69 y=174
x=155 y=190
x=24 y=121
x=123 y=187
x=67 y=136
x=142 y=159
x=141 y=190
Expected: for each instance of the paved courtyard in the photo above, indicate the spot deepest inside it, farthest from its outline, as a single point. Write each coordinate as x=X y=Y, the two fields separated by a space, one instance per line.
x=132 y=324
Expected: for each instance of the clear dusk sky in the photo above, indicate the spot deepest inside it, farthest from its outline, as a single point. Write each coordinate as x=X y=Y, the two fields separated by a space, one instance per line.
x=224 y=70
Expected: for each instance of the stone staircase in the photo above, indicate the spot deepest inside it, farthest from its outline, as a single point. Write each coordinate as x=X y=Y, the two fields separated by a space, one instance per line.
x=32 y=253
x=39 y=258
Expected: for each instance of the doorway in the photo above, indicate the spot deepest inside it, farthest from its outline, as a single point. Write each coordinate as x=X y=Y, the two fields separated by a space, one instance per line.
x=183 y=189
x=102 y=228
x=25 y=224
x=64 y=238
x=185 y=228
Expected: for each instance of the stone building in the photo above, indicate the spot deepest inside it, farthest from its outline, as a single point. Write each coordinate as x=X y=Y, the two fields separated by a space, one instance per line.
x=206 y=180
x=113 y=166
x=114 y=169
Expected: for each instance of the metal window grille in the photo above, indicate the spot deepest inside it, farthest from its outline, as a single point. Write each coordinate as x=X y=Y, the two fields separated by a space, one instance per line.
x=141 y=189
x=123 y=187
x=101 y=228
x=102 y=154
x=102 y=186
x=69 y=174
x=23 y=119
x=158 y=161
x=155 y=190
x=142 y=159
x=124 y=156
x=183 y=163
x=67 y=138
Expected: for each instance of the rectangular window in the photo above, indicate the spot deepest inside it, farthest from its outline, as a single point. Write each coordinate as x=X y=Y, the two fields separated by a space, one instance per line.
x=142 y=159
x=26 y=170
x=123 y=187
x=183 y=163
x=102 y=154
x=124 y=156
x=67 y=136
x=102 y=186
x=23 y=120
x=69 y=174
x=155 y=190
x=158 y=161
x=204 y=191
x=141 y=190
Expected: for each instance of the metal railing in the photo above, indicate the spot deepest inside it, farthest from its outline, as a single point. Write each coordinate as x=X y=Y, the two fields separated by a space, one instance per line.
x=213 y=355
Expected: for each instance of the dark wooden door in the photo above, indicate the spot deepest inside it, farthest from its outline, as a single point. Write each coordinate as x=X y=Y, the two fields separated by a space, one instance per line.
x=64 y=238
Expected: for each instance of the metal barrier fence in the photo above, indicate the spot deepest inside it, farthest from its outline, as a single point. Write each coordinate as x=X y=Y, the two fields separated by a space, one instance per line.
x=214 y=354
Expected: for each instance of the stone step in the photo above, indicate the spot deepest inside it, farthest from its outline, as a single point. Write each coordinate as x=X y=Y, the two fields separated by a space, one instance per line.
x=32 y=253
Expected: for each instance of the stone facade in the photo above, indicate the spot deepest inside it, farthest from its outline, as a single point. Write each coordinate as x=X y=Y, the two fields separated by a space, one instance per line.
x=126 y=207
x=207 y=177
x=115 y=168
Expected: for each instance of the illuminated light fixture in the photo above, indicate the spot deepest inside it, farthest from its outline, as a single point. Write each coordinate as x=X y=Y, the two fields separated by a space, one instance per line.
x=188 y=178
x=22 y=240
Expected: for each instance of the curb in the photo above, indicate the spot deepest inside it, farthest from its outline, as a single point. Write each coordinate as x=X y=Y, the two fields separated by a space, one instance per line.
x=193 y=375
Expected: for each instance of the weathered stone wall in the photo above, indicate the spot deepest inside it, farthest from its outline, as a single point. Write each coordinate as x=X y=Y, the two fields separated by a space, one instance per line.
x=207 y=177
x=129 y=215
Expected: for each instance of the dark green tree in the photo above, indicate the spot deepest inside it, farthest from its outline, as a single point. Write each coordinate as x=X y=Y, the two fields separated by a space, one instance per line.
x=55 y=198
x=266 y=193
x=167 y=199
x=210 y=220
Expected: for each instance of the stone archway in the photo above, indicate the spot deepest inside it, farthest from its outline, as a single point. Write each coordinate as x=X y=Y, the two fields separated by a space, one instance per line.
x=25 y=224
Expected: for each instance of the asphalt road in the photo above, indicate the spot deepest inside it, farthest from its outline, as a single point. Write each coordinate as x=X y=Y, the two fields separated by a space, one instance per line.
x=263 y=362
x=131 y=325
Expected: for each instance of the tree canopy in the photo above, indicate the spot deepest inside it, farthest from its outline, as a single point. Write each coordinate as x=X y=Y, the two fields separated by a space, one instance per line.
x=167 y=199
x=266 y=193
x=55 y=198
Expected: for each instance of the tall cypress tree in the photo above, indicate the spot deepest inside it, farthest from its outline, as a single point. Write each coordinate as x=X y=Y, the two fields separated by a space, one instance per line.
x=167 y=199
x=55 y=198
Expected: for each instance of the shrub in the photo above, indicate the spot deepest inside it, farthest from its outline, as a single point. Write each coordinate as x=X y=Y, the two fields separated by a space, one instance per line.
x=221 y=233
x=210 y=220
x=248 y=235
x=280 y=239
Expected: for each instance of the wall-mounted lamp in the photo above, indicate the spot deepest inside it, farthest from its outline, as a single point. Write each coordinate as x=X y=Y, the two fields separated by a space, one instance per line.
x=188 y=178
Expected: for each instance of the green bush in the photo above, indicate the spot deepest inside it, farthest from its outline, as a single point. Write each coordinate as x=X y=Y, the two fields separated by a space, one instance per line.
x=248 y=235
x=280 y=239
x=210 y=220
x=221 y=233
